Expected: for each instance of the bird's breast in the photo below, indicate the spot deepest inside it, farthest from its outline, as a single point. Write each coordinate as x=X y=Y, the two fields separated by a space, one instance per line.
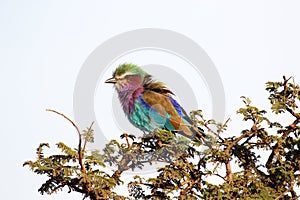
x=140 y=116
x=128 y=98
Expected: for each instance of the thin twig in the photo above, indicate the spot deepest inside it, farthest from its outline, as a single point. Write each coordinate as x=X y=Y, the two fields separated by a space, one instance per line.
x=79 y=137
x=85 y=140
x=76 y=127
x=127 y=141
x=281 y=195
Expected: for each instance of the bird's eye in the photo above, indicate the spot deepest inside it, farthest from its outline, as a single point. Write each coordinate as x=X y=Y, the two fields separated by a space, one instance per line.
x=128 y=76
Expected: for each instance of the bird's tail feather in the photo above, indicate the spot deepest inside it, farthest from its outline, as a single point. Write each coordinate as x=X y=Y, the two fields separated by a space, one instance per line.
x=197 y=134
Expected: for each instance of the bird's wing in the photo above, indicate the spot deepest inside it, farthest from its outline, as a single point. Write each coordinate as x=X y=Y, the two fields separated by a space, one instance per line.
x=169 y=109
x=180 y=110
x=161 y=88
x=160 y=103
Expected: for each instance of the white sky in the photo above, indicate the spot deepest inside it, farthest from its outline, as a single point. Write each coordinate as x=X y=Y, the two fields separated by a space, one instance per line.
x=43 y=45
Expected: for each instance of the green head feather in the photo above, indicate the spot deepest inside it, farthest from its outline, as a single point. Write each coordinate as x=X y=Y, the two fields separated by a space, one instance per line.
x=129 y=68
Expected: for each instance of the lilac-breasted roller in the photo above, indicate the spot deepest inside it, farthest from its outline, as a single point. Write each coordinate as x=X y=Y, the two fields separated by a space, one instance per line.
x=148 y=103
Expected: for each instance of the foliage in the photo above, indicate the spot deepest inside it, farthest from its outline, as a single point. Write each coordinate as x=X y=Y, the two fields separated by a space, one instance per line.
x=273 y=175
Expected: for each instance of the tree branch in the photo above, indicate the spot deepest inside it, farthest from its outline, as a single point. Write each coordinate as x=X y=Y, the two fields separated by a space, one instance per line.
x=229 y=148
x=286 y=132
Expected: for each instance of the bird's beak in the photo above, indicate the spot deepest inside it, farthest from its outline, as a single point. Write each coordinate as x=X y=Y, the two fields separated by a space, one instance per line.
x=111 y=80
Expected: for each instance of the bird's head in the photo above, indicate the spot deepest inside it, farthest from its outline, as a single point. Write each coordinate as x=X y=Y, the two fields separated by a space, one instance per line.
x=127 y=77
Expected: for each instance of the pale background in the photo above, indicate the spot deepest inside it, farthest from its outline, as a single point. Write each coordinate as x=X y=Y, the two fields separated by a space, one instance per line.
x=44 y=43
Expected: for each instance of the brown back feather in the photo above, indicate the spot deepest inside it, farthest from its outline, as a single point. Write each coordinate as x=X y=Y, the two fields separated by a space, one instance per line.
x=156 y=86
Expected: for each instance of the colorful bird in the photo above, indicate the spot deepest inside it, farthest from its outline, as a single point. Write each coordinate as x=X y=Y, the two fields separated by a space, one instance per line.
x=149 y=104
